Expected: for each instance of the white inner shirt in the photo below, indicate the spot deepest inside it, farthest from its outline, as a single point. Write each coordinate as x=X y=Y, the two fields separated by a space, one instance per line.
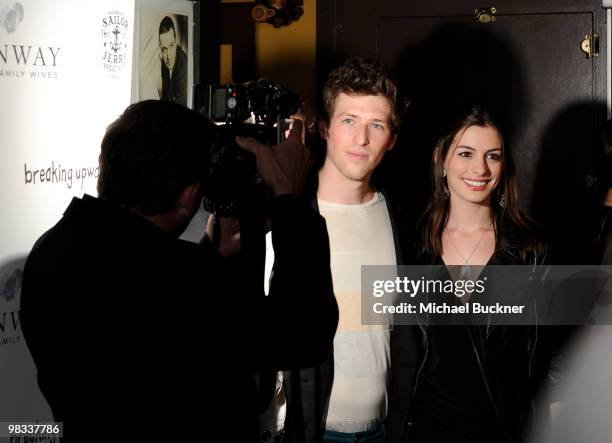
x=359 y=235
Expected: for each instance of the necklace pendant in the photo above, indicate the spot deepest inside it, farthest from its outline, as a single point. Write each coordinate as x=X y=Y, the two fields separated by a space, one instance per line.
x=465 y=272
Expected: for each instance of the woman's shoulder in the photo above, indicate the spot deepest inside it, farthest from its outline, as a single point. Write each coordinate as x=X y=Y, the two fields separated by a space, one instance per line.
x=522 y=245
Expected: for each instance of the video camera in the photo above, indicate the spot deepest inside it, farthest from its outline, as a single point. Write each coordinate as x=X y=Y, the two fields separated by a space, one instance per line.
x=255 y=109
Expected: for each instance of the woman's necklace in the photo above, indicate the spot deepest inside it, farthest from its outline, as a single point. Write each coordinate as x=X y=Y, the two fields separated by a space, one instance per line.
x=465 y=268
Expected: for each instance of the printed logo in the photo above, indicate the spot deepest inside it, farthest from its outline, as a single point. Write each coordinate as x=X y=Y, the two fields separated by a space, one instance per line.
x=10 y=324
x=24 y=60
x=10 y=17
x=10 y=285
x=115 y=39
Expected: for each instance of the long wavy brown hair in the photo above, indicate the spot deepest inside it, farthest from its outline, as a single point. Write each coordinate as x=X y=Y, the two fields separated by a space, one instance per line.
x=507 y=216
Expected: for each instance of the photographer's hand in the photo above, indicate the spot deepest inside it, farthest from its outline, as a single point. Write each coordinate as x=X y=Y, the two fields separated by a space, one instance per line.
x=283 y=167
x=224 y=233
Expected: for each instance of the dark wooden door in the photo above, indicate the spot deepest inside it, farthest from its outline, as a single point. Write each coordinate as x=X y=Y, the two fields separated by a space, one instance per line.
x=526 y=65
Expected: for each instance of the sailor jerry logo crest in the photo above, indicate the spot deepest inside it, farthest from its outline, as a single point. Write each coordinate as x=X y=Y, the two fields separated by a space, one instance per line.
x=115 y=41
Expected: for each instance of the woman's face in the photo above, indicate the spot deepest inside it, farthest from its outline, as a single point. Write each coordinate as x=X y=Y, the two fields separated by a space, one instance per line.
x=474 y=164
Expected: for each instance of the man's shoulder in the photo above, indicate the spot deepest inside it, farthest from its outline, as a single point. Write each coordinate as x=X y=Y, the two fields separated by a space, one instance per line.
x=61 y=232
x=392 y=199
x=181 y=55
x=96 y=231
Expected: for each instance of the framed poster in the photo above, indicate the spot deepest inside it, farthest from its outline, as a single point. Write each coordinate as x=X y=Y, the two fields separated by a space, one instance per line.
x=164 y=51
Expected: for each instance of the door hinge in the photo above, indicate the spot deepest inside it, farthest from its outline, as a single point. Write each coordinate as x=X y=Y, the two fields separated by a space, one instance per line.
x=590 y=45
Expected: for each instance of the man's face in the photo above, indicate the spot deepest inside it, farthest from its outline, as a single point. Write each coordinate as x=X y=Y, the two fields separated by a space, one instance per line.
x=167 y=48
x=358 y=135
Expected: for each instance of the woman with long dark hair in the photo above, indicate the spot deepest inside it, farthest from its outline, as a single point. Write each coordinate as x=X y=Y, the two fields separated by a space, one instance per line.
x=475 y=194
x=469 y=383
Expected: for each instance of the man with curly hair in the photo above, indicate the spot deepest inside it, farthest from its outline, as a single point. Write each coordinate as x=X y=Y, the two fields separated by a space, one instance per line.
x=345 y=398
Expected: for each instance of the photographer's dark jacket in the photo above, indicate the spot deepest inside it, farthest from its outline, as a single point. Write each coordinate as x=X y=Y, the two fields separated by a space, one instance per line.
x=149 y=335
x=470 y=383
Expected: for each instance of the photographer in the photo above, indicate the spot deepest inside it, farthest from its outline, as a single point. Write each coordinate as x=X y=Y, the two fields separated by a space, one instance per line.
x=125 y=321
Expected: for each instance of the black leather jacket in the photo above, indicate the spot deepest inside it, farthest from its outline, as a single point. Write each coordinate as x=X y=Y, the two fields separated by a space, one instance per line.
x=510 y=395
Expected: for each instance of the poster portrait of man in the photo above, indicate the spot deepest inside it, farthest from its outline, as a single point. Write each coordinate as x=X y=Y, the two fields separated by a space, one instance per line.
x=174 y=64
x=163 y=59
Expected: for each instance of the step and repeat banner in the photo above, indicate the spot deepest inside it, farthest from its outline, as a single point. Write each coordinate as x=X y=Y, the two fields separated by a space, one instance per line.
x=65 y=73
x=68 y=68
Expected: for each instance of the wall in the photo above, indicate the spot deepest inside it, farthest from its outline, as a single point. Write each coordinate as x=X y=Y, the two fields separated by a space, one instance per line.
x=287 y=55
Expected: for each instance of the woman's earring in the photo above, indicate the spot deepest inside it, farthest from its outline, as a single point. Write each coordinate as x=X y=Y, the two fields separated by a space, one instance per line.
x=501 y=197
x=444 y=186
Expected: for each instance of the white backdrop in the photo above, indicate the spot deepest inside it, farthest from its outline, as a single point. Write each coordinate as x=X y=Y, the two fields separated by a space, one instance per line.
x=65 y=74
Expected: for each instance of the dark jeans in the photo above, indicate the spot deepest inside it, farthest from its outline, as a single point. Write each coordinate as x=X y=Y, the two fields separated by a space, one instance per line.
x=375 y=435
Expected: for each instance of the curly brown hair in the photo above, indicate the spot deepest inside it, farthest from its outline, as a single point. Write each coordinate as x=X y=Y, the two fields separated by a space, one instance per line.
x=360 y=76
